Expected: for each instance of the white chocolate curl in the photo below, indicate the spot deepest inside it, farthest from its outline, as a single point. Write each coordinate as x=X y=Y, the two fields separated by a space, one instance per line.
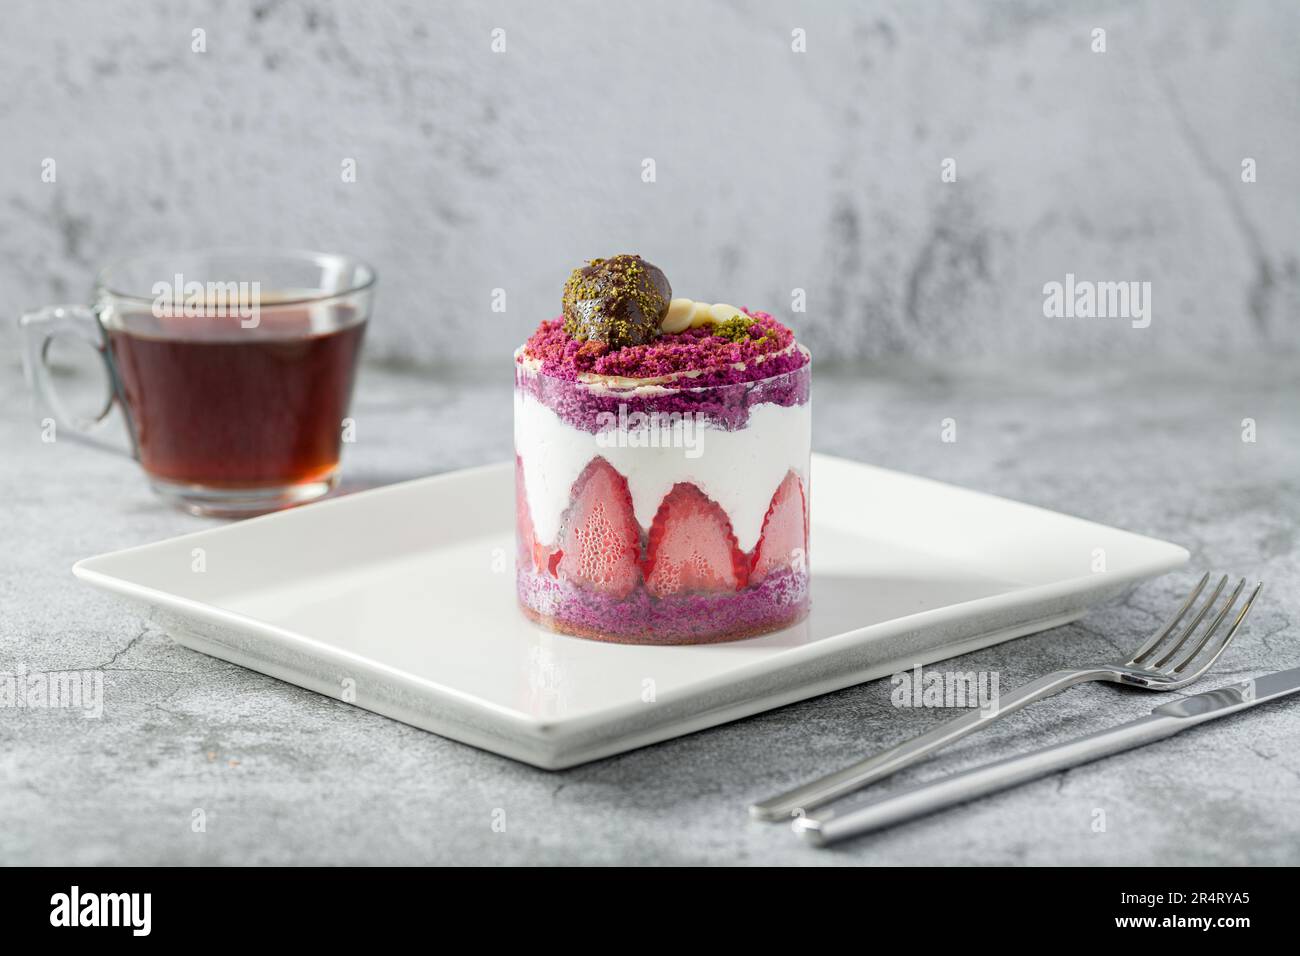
x=686 y=314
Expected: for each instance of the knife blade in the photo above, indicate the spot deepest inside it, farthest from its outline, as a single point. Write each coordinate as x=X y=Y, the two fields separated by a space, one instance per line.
x=826 y=827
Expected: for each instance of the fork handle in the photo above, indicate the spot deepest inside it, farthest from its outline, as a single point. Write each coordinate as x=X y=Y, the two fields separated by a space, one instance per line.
x=825 y=789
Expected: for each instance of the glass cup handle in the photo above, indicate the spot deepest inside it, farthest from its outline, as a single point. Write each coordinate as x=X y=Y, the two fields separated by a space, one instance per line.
x=39 y=330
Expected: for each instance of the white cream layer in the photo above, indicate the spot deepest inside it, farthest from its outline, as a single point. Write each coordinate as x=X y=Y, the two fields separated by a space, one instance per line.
x=740 y=470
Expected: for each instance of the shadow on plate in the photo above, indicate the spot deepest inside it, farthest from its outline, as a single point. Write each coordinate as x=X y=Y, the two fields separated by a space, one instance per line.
x=847 y=602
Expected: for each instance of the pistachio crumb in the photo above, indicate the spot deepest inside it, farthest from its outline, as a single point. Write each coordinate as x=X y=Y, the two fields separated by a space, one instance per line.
x=734 y=329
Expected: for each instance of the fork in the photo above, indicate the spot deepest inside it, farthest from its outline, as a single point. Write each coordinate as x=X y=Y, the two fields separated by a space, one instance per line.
x=1160 y=664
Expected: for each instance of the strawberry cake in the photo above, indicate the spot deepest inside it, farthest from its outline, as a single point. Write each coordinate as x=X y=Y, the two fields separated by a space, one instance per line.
x=661 y=456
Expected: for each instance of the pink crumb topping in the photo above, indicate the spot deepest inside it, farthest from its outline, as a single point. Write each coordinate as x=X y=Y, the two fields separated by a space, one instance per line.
x=692 y=350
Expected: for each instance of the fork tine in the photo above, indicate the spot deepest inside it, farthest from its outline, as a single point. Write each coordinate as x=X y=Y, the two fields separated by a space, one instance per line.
x=1160 y=651
x=1161 y=659
x=1173 y=622
x=1196 y=649
x=1205 y=665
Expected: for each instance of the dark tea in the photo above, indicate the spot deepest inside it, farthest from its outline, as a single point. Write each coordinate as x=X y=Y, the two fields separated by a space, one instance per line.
x=214 y=403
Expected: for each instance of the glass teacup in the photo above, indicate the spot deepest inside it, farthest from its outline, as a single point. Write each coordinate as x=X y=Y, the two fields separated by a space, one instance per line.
x=234 y=370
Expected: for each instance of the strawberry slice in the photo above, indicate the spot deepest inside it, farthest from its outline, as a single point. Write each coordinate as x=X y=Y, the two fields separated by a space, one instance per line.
x=783 y=542
x=531 y=553
x=600 y=541
x=692 y=547
x=525 y=540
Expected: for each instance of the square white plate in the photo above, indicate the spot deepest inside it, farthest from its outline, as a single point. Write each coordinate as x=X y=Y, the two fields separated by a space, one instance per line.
x=401 y=600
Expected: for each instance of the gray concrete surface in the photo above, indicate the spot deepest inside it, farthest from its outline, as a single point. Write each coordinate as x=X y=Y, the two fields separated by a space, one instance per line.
x=286 y=776
x=775 y=170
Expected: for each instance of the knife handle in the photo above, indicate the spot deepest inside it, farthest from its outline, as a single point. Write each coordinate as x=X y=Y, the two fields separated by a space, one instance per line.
x=823 y=828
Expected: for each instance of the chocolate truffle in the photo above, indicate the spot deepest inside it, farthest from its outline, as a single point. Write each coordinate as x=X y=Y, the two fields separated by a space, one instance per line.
x=619 y=301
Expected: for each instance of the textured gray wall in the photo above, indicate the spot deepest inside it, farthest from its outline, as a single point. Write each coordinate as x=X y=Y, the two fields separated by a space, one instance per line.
x=775 y=169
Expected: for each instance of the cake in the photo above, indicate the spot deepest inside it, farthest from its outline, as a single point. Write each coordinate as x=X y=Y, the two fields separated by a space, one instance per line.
x=661 y=456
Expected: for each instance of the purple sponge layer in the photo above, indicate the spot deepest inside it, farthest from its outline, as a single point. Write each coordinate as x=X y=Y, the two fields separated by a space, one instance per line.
x=779 y=601
x=592 y=409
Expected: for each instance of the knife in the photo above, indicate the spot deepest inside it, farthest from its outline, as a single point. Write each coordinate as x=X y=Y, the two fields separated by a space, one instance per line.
x=1166 y=720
